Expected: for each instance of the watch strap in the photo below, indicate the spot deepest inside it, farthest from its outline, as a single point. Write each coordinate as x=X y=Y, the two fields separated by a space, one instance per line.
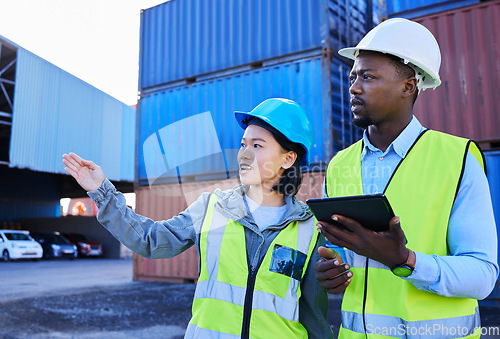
x=412 y=258
x=405 y=269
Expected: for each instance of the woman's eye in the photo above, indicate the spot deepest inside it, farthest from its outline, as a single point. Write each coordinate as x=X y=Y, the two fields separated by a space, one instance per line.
x=242 y=145
x=256 y=146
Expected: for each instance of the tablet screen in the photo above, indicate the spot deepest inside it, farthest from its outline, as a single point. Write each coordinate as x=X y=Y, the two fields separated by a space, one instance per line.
x=371 y=211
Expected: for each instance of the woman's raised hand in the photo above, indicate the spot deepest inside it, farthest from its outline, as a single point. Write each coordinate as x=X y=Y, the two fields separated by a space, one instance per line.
x=87 y=174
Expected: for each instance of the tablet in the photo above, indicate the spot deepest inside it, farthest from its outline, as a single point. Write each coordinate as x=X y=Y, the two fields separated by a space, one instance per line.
x=371 y=211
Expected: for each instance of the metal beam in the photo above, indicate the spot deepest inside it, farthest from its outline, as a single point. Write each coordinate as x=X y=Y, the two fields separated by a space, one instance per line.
x=7 y=81
x=5 y=123
x=5 y=114
x=8 y=66
x=6 y=95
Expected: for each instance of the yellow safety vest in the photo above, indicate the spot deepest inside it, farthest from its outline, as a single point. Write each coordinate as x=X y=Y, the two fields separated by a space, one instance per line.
x=421 y=191
x=232 y=302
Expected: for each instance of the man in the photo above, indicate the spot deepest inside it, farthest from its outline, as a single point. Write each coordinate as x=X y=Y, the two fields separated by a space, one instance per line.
x=422 y=277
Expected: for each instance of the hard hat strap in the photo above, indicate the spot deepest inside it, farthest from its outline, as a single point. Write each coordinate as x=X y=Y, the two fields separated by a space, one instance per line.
x=419 y=74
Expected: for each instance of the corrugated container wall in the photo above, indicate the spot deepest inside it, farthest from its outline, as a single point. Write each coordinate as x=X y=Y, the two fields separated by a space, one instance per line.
x=414 y=8
x=165 y=201
x=204 y=146
x=186 y=38
x=493 y=167
x=56 y=113
x=466 y=103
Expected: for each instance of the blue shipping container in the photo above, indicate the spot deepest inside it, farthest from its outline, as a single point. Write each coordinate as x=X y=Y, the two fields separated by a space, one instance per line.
x=204 y=146
x=55 y=113
x=416 y=8
x=493 y=168
x=182 y=39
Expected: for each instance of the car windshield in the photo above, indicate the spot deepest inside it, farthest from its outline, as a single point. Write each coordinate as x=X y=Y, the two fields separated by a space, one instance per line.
x=17 y=236
x=57 y=239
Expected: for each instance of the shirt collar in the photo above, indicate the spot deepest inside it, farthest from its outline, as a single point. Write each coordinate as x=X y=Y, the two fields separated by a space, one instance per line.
x=401 y=144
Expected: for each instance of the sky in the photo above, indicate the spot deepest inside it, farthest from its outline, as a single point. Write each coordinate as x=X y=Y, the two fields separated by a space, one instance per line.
x=95 y=40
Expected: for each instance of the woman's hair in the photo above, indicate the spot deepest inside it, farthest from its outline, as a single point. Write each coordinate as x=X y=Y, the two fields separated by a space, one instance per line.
x=291 y=179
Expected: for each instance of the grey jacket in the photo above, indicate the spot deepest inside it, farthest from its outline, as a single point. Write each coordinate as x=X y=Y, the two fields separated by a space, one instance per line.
x=167 y=238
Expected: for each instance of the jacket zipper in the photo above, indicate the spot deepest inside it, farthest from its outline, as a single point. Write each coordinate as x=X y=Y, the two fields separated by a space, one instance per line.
x=247 y=310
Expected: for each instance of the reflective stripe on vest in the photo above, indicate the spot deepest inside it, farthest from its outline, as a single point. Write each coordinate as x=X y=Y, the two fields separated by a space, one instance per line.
x=423 y=187
x=194 y=331
x=221 y=289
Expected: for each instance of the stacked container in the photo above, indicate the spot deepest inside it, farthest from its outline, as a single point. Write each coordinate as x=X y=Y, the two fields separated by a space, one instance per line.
x=416 y=8
x=202 y=60
x=221 y=56
x=466 y=103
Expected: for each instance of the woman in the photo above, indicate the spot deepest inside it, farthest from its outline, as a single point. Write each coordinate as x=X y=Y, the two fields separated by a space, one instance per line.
x=257 y=242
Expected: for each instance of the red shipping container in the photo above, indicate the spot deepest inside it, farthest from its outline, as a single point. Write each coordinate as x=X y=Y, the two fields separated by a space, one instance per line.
x=466 y=103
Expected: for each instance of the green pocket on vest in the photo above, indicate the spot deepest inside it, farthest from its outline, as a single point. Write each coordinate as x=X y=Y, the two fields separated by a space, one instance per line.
x=287 y=261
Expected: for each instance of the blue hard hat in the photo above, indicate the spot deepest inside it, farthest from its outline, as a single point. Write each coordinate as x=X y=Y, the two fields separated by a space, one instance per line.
x=287 y=117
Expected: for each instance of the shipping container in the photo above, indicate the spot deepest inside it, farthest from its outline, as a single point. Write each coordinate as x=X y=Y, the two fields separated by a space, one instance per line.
x=466 y=103
x=166 y=201
x=493 y=168
x=189 y=132
x=415 y=8
x=50 y=112
x=183 y=39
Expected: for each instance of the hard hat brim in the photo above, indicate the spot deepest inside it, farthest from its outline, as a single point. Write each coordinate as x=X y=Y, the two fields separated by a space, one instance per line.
x=242 y=116
x=349 y=52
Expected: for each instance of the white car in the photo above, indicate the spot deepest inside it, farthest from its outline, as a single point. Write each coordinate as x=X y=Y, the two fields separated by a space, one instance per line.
x=18 y=245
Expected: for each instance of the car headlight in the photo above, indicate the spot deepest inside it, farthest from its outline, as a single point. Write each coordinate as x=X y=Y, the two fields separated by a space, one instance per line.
x=56 y=247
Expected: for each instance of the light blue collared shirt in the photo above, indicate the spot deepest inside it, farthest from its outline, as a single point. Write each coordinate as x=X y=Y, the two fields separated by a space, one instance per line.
x=471 y=268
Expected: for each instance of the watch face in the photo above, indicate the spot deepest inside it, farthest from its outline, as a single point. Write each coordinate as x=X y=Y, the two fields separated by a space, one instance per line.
x=402 y=271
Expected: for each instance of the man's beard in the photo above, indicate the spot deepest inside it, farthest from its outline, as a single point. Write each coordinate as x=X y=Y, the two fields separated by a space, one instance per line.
x=362 y=122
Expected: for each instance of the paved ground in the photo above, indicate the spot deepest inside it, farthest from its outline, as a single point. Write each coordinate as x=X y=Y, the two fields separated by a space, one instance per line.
x=22 y=279
x=97 y=299
x=88 y=298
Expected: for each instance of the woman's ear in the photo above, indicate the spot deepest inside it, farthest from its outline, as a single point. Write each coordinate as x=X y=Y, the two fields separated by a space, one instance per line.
x=289 y=159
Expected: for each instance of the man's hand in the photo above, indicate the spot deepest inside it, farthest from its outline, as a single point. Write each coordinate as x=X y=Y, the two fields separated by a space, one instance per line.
x=87 y=174
x=331 y=273
x=386 y=247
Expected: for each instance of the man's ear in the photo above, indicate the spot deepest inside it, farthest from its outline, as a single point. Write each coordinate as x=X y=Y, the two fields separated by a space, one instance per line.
x=410 y=87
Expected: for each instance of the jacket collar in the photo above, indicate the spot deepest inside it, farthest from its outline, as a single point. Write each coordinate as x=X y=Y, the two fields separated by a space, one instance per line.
x=231 y=205
x=401 y=144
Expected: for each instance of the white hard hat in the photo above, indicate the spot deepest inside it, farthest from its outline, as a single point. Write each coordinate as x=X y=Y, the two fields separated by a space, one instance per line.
x=408 y=40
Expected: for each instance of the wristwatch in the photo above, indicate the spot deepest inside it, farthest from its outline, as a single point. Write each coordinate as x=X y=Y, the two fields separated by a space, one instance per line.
x=406 y=268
